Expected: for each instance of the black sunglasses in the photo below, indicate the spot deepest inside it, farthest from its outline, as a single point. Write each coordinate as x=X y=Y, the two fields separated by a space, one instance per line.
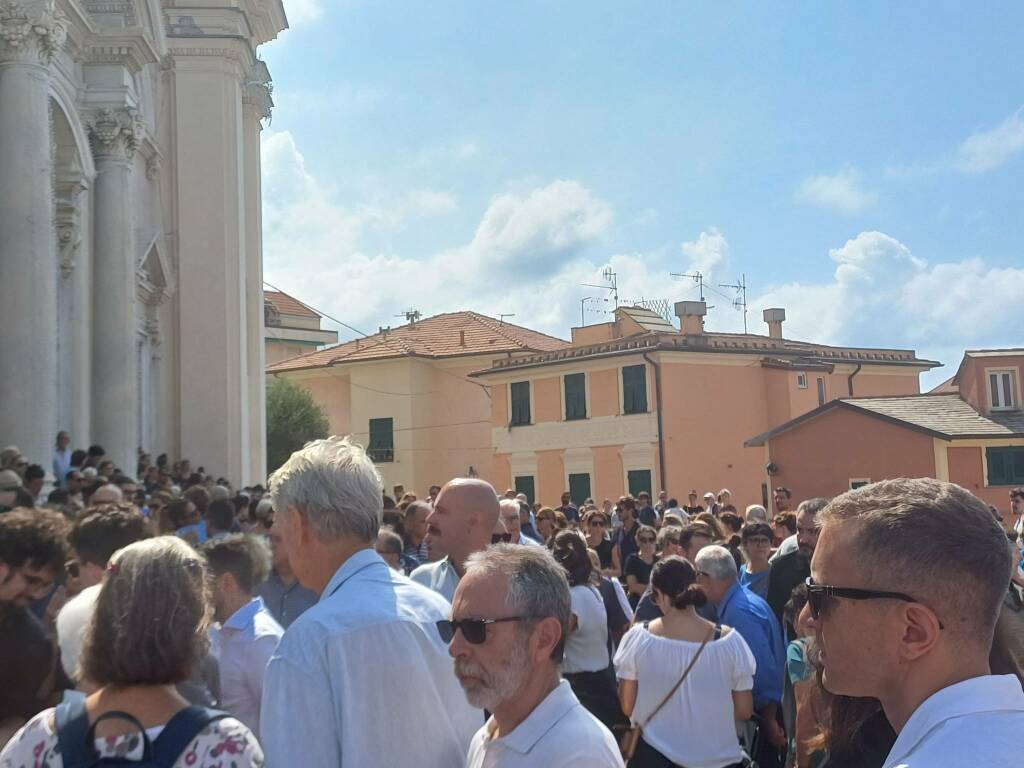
x=499 y=538
x=816 y=594
x=474 y=630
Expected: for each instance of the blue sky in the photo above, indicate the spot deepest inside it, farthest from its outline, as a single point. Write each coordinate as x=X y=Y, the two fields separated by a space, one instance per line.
x=861 y=164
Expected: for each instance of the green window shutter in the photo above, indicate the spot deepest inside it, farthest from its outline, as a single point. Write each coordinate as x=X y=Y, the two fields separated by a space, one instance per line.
x=634 y=389
x=579 y=488
x=1005 y=465
x=382 y=440
x=1018 y=466
x=525 y=484
x=575 y=397
x=639 y=480
x=520 y=391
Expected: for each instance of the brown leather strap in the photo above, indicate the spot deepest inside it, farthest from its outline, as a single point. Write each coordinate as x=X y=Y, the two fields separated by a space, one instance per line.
x=675 y=687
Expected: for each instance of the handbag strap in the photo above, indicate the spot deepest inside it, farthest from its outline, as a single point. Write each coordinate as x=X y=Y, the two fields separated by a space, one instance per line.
x=682 y=679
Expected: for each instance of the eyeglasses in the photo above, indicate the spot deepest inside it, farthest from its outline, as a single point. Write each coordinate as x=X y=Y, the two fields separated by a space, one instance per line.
x=72 y=568
x=816 y=594
x=645 y=539
x=597 y=524
x=501 y=538
x=759 y=541
x=474 y=630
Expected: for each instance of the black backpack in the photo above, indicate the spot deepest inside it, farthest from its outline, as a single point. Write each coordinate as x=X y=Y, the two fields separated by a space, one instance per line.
x=76 y=738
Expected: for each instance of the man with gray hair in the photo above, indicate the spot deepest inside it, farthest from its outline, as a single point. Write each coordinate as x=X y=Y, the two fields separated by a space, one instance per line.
x=358 y=677
x=906 y=584
x=507 y=633
x=751 y=616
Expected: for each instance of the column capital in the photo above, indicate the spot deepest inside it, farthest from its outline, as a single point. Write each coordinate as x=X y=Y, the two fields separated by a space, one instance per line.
x=115 y=133
x=31 y=32
x=257 y=90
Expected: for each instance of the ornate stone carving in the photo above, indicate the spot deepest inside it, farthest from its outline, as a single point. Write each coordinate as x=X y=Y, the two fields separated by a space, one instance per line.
x=31 y=32
x=69 y=226
x=153 y=165
x=115 y=133
x=257 y=91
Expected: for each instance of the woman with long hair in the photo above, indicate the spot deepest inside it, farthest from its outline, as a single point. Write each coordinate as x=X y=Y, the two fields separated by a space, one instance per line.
x=696 y=725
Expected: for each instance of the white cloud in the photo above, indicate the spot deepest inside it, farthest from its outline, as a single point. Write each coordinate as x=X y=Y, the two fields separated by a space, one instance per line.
x=841 y=192
x=708 y=254
x=986 y=150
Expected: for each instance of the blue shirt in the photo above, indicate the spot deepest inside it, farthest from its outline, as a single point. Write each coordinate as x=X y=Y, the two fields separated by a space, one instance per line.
x=751 y=616
x=363 y=678
x=755 y=582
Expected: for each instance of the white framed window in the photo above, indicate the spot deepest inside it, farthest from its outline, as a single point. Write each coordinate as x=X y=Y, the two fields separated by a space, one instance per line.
x=859 y=482
x=801 y=381
x=1002 y=389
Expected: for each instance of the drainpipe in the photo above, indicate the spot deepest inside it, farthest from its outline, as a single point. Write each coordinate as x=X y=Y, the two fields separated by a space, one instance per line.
x=849 y=380
x=661 y=439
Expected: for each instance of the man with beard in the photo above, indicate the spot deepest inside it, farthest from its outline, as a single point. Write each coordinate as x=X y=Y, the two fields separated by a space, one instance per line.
x=507 y=633
x=788 y=571
x=460 y=524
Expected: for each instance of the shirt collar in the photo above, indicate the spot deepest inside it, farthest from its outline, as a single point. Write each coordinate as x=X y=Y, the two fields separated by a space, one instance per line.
x=989 y=693
x=243 y=617
x=542 y=719
x=361 y=559
x=727 y=597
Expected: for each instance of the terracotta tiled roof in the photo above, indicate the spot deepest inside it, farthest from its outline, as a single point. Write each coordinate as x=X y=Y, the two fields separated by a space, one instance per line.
x=946 y=416
x=288 y=305
x=455 y=334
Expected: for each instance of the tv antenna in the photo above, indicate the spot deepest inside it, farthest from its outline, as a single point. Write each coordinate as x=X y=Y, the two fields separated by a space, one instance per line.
x=501 y=317
x=611 y=284
x=696 y=276
x=411 y=315
x=739 y=302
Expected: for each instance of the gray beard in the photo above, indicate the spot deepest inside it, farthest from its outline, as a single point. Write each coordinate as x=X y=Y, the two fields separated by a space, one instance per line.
x=495 y=686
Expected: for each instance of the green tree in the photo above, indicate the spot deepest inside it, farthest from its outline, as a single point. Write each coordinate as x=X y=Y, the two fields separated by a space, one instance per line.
x=293 y=419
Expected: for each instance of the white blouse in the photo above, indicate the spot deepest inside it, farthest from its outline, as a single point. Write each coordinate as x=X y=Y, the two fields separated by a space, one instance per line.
x=586 y=649
x=696 y=727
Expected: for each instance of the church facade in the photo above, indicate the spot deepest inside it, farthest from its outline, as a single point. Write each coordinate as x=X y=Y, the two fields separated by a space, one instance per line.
x=131 y=287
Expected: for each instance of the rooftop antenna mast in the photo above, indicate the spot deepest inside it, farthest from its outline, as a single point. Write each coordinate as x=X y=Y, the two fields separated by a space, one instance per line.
x=501 y=317
x=696 y=276
x=611 y=284
x=740 y=302
x=411 y=315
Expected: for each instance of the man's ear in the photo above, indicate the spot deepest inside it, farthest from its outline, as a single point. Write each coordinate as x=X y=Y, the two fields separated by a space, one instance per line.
x=547 y=634
x=921 y=631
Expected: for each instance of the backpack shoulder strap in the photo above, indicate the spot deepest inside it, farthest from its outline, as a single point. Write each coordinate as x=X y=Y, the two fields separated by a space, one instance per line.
x=72 y=722
x=180 y=731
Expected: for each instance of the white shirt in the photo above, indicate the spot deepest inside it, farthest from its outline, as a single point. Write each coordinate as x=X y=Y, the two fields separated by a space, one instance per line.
x=244 y=646
x=527 y=541
x=559 y=733
x=696 y=727
x=363 y=679
x=586 y=648
x=789 y=544
x=976 y=722
x=71 y=623
x=439 y=576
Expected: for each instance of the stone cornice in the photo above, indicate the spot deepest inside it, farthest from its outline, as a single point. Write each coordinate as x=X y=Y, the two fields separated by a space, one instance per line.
x=31 y=32
x=131 y=47
x=257 y=90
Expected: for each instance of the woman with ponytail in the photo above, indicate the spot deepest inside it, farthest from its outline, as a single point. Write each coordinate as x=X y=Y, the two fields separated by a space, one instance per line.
x=695 y=724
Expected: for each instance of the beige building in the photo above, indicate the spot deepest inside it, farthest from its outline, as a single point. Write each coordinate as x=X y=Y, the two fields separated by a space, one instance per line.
x=406 y=393
x=130 y=230
x=291 y=328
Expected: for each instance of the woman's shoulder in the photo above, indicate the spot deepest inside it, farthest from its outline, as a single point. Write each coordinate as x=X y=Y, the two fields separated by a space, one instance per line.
x=34 y=744
x=226 y=741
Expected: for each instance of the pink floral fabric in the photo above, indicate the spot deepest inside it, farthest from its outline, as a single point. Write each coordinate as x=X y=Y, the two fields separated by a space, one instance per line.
x=222 y=744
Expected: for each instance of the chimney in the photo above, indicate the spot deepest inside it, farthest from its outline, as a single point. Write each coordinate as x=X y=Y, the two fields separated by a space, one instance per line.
x=691 y=317
x=774 y=318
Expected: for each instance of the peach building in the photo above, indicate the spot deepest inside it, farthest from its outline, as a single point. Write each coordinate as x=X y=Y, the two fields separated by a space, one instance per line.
x=406 y=393
x=290 y=328
x=635 y=404
x=969 y=430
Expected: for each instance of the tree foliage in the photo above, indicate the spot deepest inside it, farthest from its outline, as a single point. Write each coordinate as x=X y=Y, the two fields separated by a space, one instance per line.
x=293 y=419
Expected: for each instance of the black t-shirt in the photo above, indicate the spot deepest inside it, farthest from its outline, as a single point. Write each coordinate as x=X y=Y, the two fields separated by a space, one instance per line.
x=28 y=686
x=626 y=542
x=604 y=553
x=635 y=566
x=786 y=573
x=572 y=514
x=691 y=511
x=647 y=516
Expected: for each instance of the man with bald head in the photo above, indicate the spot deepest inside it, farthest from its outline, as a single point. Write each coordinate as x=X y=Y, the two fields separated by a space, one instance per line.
x=461 y=523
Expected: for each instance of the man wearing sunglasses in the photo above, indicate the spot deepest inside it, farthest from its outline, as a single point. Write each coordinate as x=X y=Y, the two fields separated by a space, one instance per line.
x=507 y=634
x=906 y=583
x=461 y=523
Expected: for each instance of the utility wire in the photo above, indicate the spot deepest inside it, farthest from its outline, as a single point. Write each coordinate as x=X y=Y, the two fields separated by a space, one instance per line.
x=318 y=311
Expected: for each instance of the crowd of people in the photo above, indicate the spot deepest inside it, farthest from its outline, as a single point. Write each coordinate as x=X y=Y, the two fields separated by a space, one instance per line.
x=164 y=617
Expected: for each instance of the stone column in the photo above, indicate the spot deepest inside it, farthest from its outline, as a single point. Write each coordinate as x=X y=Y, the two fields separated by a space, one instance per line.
x=256 y=107
x=30 y=35
x=114 y=135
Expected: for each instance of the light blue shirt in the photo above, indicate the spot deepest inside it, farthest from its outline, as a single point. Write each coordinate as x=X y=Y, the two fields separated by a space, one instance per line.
x=363 y=679
x=440 y=577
